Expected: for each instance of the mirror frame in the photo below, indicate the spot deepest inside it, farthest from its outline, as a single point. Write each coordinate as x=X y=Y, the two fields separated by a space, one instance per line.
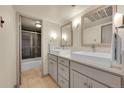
x=114 y=10
x=69 y=23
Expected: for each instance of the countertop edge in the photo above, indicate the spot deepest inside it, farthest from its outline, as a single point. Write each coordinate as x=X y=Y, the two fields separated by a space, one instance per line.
x=105 y=69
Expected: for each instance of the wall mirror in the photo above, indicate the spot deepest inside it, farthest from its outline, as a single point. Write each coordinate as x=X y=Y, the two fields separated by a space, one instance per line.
x=97 y=26
x=66 y=34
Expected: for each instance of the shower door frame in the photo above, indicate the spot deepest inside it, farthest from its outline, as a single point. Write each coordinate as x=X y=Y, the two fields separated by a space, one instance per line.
x=19 y=46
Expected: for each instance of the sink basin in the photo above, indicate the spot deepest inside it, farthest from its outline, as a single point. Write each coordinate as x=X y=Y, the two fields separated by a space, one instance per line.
x=61 y=51
x=93 y=54
x=103 y=59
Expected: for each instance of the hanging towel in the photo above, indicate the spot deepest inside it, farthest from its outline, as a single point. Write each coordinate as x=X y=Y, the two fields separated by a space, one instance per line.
x=118 y=53
x=113 y=47
x=116 y=48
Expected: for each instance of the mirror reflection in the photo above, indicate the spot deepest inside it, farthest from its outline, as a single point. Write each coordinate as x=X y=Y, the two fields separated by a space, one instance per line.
x=97 y=26
x=66 y=35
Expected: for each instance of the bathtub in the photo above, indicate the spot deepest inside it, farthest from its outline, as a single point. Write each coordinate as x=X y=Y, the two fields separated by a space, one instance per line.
x=27 y=64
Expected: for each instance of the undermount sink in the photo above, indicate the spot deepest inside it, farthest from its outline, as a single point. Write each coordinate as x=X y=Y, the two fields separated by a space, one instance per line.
x=92 y=54
x=103 y=59
x=60 y=51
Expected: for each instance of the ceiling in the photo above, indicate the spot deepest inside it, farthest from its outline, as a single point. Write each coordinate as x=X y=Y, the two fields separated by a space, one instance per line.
x=29 y=24
x=54 y=13
x=100 y=16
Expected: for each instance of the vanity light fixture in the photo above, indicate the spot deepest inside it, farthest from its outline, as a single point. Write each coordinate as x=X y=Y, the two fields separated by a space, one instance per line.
x=119 y=20
x=64 y=37
x=38 y=24
x=53 y=36
x=76 y=22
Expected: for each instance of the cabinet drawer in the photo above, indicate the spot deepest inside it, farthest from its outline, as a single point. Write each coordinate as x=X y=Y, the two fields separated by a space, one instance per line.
x=101 y=76
x=53 y=57
x=63 y=61
x=62 y=82
x=63 y=71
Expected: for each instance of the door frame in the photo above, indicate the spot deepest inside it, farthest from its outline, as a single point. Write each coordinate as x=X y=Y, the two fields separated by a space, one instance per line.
x=19 y=48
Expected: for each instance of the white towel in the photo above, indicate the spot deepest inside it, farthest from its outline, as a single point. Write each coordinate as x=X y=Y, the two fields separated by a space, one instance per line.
x=113 y=47
x=116 y=48
x=119 y=46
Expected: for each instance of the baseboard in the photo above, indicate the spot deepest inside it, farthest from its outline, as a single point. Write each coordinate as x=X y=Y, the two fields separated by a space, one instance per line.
x=45 y=75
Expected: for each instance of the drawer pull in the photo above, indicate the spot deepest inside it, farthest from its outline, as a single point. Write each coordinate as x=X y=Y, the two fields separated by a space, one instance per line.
x=62 y=81
x=62 y=69
x=51 y=62
x=61 y=60
x=85 y=84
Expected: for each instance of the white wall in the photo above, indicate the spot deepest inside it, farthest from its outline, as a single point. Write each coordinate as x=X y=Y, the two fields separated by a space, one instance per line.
x=48 y=28
x=7 y=48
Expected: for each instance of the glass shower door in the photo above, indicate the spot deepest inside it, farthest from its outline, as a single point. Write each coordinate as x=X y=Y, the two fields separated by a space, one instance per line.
x=31 y=44
x=36 y=44
x=26 y=45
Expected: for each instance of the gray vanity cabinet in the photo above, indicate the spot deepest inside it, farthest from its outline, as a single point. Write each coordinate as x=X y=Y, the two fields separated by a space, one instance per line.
x=68 y=73
x=96 y=77
x=52 y=67
x=78 y=80
x=63 y=72
x=94 y=84
x=62 y=82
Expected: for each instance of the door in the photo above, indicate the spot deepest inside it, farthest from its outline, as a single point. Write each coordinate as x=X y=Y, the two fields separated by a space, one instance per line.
x=53 y=69
x=19 y=47
x=78 y=80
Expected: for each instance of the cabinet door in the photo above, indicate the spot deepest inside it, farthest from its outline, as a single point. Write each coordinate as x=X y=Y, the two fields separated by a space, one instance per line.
x=63 y=83
x=63 y=71
x=50 y=65
x=53 y=69
x=95 y=84
x=78 y=80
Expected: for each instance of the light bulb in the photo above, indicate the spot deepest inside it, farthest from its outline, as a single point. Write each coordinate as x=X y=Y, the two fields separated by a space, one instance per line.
x=119 y=20
x=38 y=24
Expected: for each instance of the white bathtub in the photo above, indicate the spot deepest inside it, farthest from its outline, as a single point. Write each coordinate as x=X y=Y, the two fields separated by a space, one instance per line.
x=27 y=64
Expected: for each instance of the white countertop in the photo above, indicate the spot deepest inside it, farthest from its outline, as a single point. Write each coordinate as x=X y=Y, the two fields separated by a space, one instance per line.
x=105 y=66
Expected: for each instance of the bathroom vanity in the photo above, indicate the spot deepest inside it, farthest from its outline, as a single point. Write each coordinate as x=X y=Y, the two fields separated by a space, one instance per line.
x=71 y=72
x=85 y=69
